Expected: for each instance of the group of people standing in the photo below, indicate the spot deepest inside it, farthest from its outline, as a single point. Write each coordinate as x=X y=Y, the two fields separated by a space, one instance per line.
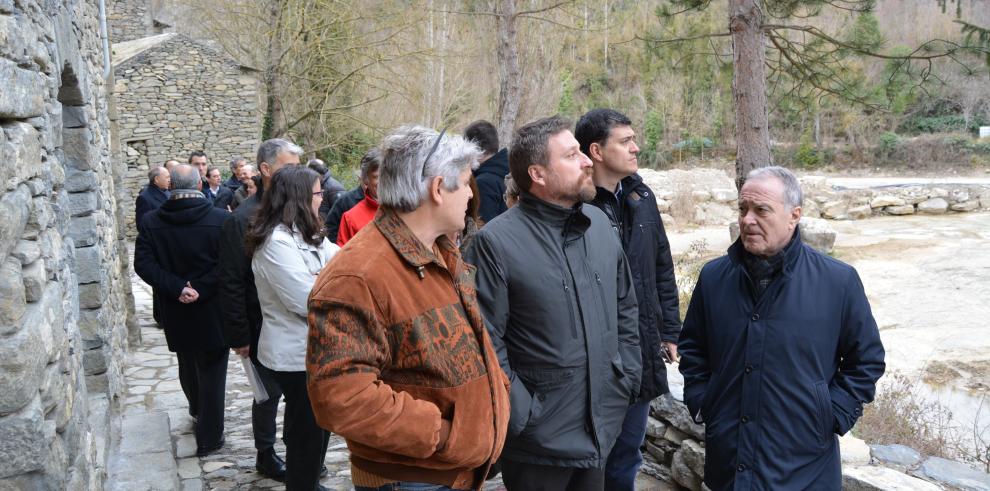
x=470 y=309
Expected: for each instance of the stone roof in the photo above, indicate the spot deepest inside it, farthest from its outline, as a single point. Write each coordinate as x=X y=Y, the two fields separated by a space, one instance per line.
x=129 y=49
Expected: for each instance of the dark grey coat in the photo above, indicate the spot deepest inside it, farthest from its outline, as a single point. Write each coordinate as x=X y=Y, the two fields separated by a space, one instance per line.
x=558 y=301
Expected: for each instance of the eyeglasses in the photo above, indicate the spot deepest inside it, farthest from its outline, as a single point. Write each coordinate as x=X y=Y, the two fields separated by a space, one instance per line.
x=436 y=144
x=317 y=193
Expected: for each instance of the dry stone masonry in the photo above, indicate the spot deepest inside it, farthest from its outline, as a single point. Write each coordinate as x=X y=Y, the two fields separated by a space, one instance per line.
x=175 y=95
x=64 y=289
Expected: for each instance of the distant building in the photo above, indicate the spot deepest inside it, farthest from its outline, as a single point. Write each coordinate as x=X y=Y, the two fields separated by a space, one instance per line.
x=175 y=95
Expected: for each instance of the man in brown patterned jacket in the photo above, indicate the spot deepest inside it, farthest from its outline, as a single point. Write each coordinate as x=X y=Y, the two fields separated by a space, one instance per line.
x=399 y=361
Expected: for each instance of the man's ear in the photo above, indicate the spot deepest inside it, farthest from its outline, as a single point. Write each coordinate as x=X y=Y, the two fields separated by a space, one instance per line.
x=595 y=152
x=433 y=188
x=537 y=174
x=265 y=169
x=795 y=217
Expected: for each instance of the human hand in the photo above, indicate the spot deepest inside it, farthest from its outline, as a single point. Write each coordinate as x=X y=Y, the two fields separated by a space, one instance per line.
x=669 y=350
x=243 y=351
x=189 y=294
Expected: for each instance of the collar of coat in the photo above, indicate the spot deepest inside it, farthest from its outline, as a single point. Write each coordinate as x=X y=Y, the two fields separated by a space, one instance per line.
x=572 y=222
x=791 y=252
x=410 y=248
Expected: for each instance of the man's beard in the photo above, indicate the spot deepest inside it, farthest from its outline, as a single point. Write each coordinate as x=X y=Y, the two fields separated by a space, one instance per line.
x=581 y=192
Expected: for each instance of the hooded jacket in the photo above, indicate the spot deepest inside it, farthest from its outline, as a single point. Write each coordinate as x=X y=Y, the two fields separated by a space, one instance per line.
x=176 y=244
x=490 y=177
x=776 y=377
x=636 y=220
x=558 y=301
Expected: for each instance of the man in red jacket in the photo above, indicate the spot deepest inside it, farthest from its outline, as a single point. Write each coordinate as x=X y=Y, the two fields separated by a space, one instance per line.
x=363 y=213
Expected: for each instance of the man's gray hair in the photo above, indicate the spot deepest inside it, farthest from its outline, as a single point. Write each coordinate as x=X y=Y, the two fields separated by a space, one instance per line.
x=402 y=181
x=185 y=176
x=254 y=168
x=269 y=150
x=153 y=173
x=236 y=163
x=793 y=196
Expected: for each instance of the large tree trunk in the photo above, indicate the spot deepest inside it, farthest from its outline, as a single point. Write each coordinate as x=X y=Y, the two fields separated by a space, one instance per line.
x=509 y=89
x=274 y=119
x=749 y=87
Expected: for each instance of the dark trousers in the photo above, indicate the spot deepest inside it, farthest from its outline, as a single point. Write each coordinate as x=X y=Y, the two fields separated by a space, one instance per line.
x=203 y=377
x=263 y=415
x=625 y=458
x=407 y=486
x=305 y=442
x=518 y=476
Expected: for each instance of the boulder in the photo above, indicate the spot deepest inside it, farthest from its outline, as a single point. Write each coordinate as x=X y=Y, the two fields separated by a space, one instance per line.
x=853 y=450
x=810 y=209
x=655 y=428
x=985 y=199
x=934 y=206
x=938 y=193
x=694 y=457
x=966 y=205
x=955 y=474
x=958 y=196
x=683 y=474
x=835 y=210
x=710 y=213
x=700 y=196
x=900 y=210
x=886 y=200
x=668 y=221
x=860 y=212
x=874 y=478
x=818 y=234
x=12 y=294
x=725 y=195
x=898 y=455
x=675 y=412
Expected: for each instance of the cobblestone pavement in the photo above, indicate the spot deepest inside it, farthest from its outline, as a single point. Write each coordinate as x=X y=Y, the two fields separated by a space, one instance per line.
x=153 y=385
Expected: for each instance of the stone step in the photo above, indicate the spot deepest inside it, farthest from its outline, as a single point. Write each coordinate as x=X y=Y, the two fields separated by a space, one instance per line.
x=143 y=459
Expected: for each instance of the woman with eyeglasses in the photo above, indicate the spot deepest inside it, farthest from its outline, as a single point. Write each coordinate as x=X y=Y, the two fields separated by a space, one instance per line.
x=288 y=250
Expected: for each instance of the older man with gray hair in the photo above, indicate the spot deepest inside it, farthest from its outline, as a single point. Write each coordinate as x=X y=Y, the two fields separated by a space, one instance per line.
x=241 y=309
x=779 y=349
x=399 y=361
x=176 y=254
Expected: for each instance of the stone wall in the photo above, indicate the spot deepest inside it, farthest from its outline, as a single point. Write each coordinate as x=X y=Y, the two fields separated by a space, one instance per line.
x=179 y=96
x=708 y=197
x=129 y=19
x=64 y=283
x=674 y=452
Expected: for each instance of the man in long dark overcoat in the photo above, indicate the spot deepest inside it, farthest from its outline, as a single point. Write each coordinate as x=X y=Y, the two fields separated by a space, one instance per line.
x=779 y=350
x=176 y=253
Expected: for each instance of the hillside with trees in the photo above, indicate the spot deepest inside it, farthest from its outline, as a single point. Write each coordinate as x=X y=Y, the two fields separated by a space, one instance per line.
x=849 y=83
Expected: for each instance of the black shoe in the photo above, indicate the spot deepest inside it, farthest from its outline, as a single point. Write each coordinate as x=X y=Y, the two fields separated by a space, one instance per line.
x=204 y=451
x=270 y=465
x=324 y=471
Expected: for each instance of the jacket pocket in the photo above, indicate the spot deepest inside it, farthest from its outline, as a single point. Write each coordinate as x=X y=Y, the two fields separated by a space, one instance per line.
x=826 y=418
x=544 y=383
x=620 y=373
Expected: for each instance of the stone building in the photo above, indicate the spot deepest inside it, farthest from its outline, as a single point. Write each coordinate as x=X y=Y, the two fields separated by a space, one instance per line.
x=65 y=305
x=175 y=95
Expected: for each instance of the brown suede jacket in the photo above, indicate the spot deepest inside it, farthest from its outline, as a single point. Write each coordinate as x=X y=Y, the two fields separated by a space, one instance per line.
x=397 y=344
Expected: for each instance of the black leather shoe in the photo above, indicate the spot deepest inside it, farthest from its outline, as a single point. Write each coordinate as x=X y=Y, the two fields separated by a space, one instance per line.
x=270 y=465
x=204 y=451
x=324 y=471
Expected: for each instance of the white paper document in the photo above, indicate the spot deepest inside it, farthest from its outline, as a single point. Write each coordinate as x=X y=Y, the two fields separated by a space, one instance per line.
x=260 y=394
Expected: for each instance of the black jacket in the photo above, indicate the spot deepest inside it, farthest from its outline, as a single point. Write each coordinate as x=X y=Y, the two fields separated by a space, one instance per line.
x=558 y=301
x=176 y=244
x=238 y=295
x=344 y=202
x=232 y=183
x=776 y=378
x=332 y=188
x=490 y=177
x=636 y=219
x=149 y=199
x=222 y=198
